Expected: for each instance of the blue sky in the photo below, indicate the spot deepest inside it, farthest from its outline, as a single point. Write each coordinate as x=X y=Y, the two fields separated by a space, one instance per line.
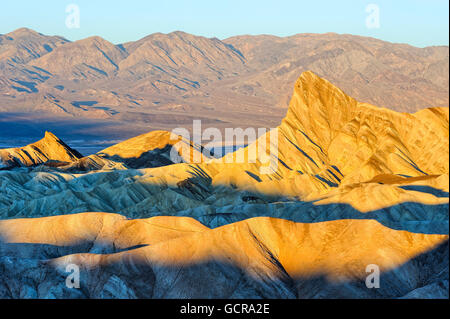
x=417 y=22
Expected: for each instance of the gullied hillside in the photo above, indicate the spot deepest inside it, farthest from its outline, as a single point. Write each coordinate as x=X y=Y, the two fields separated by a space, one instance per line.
x=351 y=185
x=396 y=76
x=331 y=145
x=167 y=55
x=24 y=45
x=90 y=58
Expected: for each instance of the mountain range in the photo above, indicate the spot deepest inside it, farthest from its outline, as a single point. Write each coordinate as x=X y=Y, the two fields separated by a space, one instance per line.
x=165 y=80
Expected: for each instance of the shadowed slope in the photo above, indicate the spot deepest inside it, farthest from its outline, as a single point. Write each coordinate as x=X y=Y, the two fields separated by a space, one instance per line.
x=154 y=149
x=263 y=257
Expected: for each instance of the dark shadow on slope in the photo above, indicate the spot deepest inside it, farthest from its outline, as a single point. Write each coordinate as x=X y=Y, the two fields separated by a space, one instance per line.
x=430 y=268
x=409 y=216
x=47 y=251
x=80 y=104
x=133 y=277
x=30 y=87
x=136 y=279
x=425 y=189
x=135 y=202
x=156 y=157
x=254 y=176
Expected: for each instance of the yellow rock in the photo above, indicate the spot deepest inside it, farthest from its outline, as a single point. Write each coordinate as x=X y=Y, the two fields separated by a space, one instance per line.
x=50 y=148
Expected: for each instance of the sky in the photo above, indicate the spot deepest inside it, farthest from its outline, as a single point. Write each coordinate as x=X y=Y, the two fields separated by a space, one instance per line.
x=416 y=22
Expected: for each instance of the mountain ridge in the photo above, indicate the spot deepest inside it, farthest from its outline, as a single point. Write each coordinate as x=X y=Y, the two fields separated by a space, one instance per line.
x=230 y=79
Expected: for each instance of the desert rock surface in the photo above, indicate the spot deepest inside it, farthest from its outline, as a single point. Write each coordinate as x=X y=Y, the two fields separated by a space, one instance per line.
x=353 y=185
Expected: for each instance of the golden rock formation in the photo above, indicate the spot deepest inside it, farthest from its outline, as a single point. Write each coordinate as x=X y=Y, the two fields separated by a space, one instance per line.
x=331 y=146
x=354 y=185
x=50 y=148
x=142 y=150
x=265 y=249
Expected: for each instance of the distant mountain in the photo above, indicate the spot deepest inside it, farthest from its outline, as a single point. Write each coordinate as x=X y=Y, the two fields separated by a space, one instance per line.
x=24 y=45
x=397 y=76
x=201 y=59
x=240 y=81
x=89 y=59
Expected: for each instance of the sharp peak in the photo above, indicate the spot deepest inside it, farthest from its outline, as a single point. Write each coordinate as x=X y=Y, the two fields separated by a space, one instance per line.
x=52 y=139
x=309 y=73
x=309 y=77
x=313 y=92
x=309 y=80
x=50 y=136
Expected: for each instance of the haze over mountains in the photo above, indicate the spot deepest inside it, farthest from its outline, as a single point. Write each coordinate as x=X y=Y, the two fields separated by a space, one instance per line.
x=354 y=185
x=166 y=80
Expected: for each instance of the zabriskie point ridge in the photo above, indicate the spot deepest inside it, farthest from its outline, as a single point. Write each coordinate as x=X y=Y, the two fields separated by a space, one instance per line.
x=355 y=185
